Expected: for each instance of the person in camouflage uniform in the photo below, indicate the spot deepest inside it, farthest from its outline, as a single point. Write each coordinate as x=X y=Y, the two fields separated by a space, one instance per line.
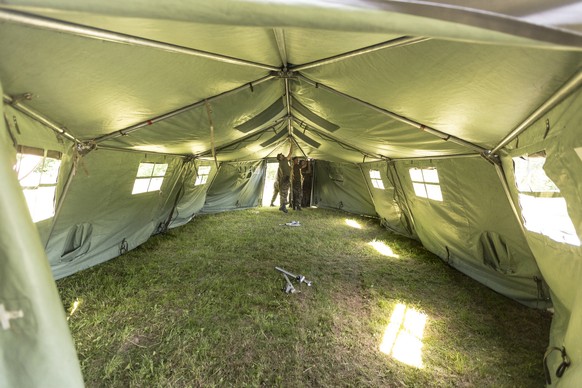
x=276 y=187
x=285 y=173
x=297 y=183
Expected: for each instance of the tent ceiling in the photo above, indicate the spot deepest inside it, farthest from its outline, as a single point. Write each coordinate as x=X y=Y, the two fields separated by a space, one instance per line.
x=475 y=89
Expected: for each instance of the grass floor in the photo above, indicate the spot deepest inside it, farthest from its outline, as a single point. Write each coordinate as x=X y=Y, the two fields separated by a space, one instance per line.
x=204 y=306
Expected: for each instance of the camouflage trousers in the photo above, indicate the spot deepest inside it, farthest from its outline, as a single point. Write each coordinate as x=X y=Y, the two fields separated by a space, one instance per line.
x=284 y=190
x=297 y=194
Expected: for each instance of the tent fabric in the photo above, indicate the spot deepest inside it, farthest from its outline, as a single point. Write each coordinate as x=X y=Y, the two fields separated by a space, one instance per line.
x=561 y=143
x=191 y=196
x=36 y=348
x=358 y=86
x=237 y=186
x=342 y=186
x=473 y=228
x=386 y=201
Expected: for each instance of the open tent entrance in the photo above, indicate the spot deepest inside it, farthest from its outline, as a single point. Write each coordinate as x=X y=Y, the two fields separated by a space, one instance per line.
x=269 y=188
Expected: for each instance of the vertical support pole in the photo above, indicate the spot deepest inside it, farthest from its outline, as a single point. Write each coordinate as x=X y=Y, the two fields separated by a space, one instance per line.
x=61 y=201
x=313 y=163
x=505 y=185
x=407 y=210
x=368 y=186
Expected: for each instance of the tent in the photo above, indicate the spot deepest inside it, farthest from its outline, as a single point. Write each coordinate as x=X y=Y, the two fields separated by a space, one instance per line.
x=456 y=123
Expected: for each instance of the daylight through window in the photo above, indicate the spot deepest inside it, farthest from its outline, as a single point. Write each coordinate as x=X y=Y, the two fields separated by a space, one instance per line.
x=202 y=176
x=425 y=182
x=149 y=177
x=38 y=171
x=543 y=208
x=376 y=179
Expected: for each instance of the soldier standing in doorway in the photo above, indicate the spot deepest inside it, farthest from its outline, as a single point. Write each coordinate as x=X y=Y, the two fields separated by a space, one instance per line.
x=285 y=173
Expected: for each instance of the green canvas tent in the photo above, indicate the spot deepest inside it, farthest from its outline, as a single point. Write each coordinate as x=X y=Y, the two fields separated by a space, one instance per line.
x=456 y=123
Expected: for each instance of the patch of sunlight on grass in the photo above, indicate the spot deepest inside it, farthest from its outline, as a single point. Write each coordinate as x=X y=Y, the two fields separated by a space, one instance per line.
x=74 y=306
x=403 y=337
x=383 y=249
x=353 y=224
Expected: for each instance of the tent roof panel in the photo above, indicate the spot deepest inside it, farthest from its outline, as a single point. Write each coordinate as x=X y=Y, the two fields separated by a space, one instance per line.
x=476 y=92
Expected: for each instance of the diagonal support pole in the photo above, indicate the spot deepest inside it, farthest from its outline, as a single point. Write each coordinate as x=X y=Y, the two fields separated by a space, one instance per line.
x=326 y=135
x=281 y=45
x=569 y=87
x=398 y=42
x=249 y=136
x=50 y=24
x=397 y=117
x=135 y=127
x=39 y=117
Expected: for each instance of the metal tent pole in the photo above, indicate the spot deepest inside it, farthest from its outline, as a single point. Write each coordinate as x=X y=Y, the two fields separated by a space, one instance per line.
x=402 y=203
x=135 y=127
x=322 y=134
x=280 y=40
x=75 y=160
x=38 y=117
x=108 y=148
x=456 y=156
x=260 y=132
x=367 y=186
x=398 y=42
x=507 y=191
x=397 y=117
x=116 y=37
x=570 y=86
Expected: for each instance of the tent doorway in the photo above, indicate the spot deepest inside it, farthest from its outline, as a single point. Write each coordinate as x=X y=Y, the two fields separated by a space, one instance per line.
x=268 y=190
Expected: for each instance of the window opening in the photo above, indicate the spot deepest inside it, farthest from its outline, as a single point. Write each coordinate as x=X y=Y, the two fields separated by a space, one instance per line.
x=376 y=179
x=202 y=175
x=38 y=172
x=149 y=177
x=543 y=208
x=271 y=190
x=425 y=182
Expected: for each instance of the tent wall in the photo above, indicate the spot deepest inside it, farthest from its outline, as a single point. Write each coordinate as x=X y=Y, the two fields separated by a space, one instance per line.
x=36 y=348
x=237 y=185
x=342 y=186
x=102 y=215
x=191 y=196
x=558 y=133
x=389 y=202
x=473 y=228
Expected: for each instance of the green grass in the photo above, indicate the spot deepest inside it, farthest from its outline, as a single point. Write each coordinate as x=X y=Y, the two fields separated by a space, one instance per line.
x=203 y=306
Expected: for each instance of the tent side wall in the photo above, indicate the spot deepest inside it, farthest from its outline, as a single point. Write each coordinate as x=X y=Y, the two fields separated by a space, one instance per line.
x=36 y=348
x=558 y=134
x=389 y=201
x=101 y=218
x=237 y=185
x=473 y=227
x=342 y=186
x=191 y=195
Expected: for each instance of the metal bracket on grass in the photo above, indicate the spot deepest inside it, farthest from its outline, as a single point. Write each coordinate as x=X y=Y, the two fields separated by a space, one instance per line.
x=289 y=289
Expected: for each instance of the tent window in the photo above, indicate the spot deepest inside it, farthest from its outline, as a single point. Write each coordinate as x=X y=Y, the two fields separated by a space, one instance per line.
x=543 y=209
x=149 y=177
x=376 y=179
x=425 y=182
x=202 y=176
x=38 y=171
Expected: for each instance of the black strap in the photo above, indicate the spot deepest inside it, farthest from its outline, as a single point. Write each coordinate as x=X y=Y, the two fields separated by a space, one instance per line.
x=561 y=368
